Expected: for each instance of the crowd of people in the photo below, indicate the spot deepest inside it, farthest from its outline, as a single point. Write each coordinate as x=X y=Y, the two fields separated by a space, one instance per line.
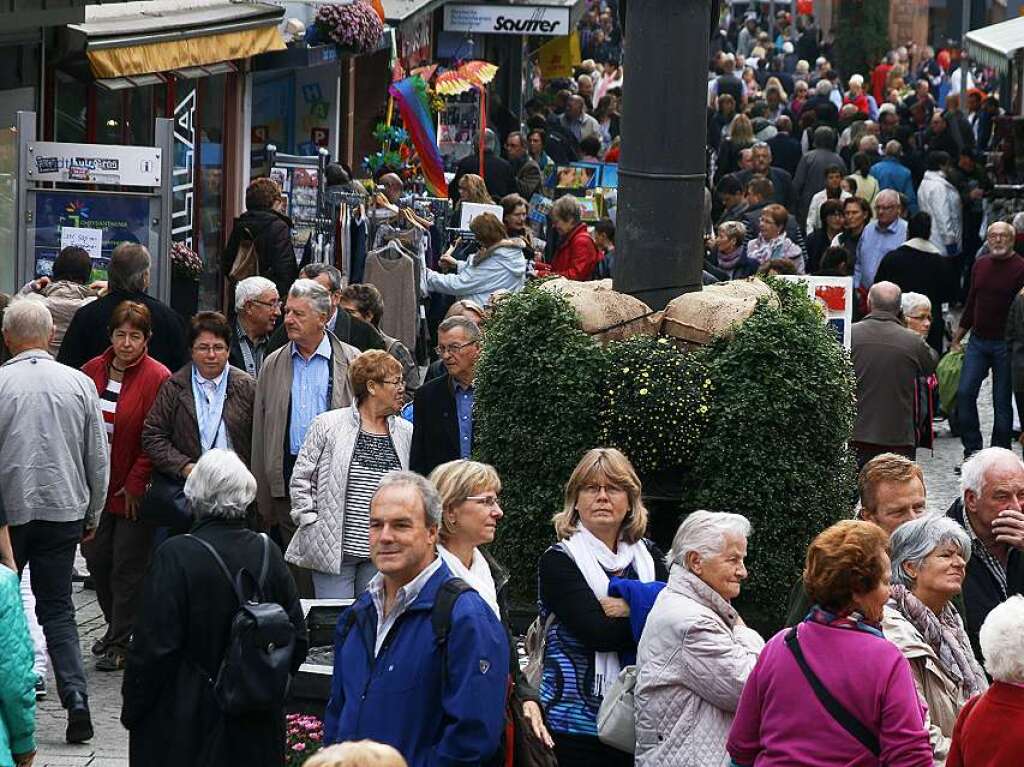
x=124 y=456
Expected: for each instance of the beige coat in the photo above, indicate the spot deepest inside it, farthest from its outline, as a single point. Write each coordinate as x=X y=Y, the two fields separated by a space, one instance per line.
x=63 y=299
x=692 y=663
x=934 y=686
x=270 y=417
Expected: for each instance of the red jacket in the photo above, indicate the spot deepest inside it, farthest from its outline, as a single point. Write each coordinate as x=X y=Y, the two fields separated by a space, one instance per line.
x=129 y=465
x=988 y=731
x=577 y=256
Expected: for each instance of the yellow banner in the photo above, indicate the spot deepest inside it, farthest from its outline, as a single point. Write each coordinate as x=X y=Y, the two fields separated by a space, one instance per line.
x=560 y=56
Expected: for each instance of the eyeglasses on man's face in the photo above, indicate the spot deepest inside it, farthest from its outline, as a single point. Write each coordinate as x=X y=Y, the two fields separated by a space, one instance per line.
x=275 y=304
x=452 y=348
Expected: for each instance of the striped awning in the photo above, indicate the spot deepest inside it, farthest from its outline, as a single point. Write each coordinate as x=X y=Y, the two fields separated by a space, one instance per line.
x=996 y=45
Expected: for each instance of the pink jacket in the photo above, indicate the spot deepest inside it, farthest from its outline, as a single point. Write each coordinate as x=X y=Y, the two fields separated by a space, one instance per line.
x=779 y=720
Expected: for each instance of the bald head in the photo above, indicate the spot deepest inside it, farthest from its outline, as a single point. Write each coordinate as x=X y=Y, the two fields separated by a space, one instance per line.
x=392 y=186
x=783 y=124
x=574 y=108
x=885 y=297
x=1000 y=238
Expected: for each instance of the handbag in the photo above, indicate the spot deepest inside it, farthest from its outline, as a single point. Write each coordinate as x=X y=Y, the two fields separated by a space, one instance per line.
x=535 y=644
x=846 y=720
x=165 y=504
x=616 y=726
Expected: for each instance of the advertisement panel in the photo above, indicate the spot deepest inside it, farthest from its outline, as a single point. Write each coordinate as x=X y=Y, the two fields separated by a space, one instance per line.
x=98 y=222
x=507 y=19
x=94 y=164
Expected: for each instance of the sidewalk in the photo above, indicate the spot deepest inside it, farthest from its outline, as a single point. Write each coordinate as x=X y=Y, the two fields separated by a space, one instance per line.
x=109 y=746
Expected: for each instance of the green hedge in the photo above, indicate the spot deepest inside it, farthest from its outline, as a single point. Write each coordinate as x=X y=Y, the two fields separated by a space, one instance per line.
x=775 y=449
x=537 y=405
x=767 y=438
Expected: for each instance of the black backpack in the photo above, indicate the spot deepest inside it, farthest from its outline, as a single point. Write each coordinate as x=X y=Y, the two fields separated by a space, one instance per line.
x=255 y=671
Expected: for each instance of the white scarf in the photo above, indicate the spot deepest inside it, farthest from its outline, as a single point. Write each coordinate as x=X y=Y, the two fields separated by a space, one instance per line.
x=595 y=561
x=478 y=575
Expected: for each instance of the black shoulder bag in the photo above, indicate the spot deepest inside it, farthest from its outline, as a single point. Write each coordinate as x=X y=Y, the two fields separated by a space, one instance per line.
x=847 y=721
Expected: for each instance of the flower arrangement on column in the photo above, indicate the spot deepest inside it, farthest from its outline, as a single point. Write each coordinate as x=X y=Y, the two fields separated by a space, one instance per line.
x=186 y=269
x=355 y=25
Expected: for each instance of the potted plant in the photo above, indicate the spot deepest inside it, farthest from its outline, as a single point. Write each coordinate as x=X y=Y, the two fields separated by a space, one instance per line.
x=354 y=25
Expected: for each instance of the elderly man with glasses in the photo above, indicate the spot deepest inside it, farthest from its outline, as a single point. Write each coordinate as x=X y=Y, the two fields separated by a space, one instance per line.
x=257 y=310
x=887 y=232
x=443 y=409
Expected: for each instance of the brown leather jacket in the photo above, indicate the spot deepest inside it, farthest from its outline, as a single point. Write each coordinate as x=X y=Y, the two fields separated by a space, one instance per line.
x=171 y=434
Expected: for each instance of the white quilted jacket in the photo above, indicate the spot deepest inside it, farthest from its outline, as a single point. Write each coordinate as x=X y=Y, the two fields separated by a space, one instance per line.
x=692 y=663
x=318 y=485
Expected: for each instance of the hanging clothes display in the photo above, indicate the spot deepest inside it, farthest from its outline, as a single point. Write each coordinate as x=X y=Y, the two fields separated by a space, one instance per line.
x=393 y=272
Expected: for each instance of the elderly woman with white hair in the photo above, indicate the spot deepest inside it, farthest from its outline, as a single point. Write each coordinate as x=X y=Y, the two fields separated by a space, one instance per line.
x=929 y=562
x=182 y=631
x=695 y=653
x=988 y=732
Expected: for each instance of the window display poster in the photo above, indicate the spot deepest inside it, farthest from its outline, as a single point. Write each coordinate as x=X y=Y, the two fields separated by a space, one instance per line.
x=834 y=295
x=61 y=217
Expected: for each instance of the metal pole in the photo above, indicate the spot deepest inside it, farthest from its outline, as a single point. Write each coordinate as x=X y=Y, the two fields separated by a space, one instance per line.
x=662 y=172
x=965 y=21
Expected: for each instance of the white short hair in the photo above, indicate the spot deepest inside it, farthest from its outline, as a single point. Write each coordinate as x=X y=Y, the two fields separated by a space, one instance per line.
x=857 y=80
x=912 y=302
x=220 y=486
x=250 y=288
x=428 y=494
x=313 y=292
x=704 y=532
x=972 y=473
x=28 y=319
x=1002 y=641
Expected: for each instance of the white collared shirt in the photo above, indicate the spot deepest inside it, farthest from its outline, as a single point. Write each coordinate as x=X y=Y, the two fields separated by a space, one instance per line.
x=406 y=596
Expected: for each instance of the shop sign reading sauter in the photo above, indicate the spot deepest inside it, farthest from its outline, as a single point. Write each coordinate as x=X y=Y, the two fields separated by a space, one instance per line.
x=507 y=19
x=94 y=164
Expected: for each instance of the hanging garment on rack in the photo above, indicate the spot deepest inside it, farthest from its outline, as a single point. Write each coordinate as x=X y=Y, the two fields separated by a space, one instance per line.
x=343 y=241
x=415 y=241
x=393 y=273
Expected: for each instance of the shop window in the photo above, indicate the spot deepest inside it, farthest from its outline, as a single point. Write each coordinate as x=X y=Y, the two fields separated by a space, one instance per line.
x=70 y=103
x=273 y=116
x=210 y=234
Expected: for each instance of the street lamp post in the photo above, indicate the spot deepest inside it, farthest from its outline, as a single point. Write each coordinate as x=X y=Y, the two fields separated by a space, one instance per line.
x=662 y=170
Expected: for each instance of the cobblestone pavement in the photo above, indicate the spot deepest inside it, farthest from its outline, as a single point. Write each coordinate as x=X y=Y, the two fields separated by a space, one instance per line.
x=109 y=748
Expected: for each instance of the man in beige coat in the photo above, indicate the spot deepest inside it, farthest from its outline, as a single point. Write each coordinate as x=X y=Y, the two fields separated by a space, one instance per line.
x=298 y=382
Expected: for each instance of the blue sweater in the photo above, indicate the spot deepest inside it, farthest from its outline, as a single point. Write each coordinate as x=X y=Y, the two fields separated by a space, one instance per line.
x=404 y=699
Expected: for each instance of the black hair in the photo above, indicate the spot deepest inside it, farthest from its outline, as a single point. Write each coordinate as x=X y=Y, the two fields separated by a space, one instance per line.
x=920 y=226
x=73 y=264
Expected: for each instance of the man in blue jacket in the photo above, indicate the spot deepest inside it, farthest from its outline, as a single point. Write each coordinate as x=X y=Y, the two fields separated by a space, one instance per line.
x=893 y=174
x=393 y=682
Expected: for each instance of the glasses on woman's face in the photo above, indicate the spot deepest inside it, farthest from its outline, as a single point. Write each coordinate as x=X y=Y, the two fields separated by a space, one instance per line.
x=594 y=488
x=490 y=501
x=209 y=348
x=393 y=381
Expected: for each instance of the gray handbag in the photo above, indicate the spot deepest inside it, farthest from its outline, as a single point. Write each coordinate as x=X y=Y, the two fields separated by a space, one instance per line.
x=616 y=726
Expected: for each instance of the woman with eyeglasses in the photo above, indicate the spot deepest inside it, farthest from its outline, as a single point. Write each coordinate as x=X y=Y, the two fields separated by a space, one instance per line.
x=600 y=532
x=469 y=520
x=343 y=458
x=127 y=380
x=206 y=404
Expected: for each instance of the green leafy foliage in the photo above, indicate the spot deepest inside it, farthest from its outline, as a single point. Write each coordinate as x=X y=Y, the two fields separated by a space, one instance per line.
x=865 y=35
x=656 y=403
x=775 y=449
x=538 y=398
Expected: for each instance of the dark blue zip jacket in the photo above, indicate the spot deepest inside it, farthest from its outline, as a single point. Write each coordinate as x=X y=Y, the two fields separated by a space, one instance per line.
x=402 y=698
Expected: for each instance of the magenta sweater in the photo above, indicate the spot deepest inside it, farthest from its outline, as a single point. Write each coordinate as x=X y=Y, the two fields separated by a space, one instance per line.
x=779 y=720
